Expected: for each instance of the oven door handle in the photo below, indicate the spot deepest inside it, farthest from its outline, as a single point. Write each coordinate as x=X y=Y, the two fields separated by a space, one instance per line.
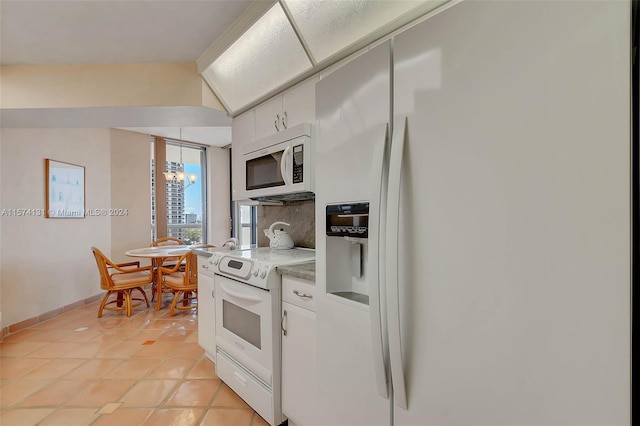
x=239 y=295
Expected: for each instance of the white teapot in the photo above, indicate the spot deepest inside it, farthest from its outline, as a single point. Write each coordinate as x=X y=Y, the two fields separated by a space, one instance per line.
x=278 y=238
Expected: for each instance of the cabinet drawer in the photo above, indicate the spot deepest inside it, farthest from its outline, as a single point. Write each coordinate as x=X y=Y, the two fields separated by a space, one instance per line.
x=246 y=386
x=204 y=267
x=299 y=292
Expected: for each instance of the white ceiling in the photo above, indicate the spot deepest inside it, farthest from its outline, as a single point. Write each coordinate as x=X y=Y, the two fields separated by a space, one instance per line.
x=110 y=31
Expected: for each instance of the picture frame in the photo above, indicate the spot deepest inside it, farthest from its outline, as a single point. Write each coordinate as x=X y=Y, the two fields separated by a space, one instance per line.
x=65 y=192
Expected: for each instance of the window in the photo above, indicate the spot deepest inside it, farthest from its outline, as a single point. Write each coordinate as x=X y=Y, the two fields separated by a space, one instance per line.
x=184 y=201
x=246 y=224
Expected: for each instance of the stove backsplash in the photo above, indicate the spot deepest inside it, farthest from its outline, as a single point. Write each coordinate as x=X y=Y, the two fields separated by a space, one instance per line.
x=301 y=216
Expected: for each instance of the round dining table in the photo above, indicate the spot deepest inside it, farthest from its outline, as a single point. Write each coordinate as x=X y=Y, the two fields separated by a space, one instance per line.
x=158 y=255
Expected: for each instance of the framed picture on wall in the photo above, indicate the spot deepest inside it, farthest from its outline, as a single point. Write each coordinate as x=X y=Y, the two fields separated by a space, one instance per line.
x=65 y=190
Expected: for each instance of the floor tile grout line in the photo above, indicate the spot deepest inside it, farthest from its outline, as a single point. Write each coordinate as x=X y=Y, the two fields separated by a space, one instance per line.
x=182 y=326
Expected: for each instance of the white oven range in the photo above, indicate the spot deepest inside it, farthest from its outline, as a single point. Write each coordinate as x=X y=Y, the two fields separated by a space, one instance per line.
x=248 y=300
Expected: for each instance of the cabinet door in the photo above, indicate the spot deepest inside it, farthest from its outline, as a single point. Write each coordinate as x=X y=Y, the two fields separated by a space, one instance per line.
x=299 y=102
x=242 y=134
x=266 y=115
x=299 y=364
x=206 y=315
x=243 y=128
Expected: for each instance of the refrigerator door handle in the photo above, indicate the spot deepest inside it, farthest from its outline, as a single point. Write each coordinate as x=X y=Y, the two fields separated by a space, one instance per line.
x=391 y=259
x=374 y=259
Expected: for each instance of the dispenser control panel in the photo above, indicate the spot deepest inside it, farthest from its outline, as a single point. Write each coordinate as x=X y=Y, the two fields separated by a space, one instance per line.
x=348 y=220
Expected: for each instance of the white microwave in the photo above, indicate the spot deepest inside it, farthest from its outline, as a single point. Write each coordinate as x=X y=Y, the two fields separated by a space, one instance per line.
x=280 y=167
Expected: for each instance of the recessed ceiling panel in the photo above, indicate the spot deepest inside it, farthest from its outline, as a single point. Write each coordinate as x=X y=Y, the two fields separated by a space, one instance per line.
x=266 y=56
x=332 y=25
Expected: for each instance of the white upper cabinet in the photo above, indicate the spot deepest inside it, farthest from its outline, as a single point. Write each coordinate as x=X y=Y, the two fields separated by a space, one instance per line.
x=269 y=117
x=242 y=128
x=295 y=106
x=299 y=103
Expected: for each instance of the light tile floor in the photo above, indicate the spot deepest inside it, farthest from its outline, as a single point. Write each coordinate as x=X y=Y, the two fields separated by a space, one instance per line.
x=77 y=369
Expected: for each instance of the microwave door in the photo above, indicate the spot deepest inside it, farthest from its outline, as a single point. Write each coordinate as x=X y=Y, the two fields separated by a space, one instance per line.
x=264 y=169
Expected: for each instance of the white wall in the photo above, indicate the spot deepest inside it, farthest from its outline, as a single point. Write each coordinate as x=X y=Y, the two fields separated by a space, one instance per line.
x=1 y=323
x=47 y=263
x=219 y=219
x=100 y=85
x=130 y=191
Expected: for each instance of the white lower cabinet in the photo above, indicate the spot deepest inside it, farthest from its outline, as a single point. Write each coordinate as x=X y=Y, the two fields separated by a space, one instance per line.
x=298 y=351
x=206 y=309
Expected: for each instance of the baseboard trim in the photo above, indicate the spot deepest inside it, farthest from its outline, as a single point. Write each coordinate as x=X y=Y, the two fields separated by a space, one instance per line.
x=29 y=322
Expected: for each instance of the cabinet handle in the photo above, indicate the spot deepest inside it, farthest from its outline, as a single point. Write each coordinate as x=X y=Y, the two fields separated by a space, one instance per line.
x=284 y=316
x=240 y=378
x=276 y=123
x=303 y=295
x=284 y=120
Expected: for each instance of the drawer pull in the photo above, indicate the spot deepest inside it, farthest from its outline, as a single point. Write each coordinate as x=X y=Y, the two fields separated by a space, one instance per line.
x=239 y=377
x=303 y=295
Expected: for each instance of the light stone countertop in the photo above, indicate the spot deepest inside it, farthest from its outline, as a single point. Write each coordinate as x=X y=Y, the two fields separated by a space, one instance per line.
x=305 y=271
x=202 y=252
x=208 y=251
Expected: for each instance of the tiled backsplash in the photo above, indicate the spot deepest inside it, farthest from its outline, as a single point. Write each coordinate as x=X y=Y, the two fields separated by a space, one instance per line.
x=301 y=216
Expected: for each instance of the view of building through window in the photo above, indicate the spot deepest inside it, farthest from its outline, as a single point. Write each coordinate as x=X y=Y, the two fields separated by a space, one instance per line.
x=185 y=199
x=246 y=219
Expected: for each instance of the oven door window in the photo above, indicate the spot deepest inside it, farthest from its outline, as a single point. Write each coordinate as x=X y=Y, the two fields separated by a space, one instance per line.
x=242 y=323
x=265 y=171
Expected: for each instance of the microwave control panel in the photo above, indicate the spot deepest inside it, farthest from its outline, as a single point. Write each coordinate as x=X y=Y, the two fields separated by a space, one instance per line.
x=298 y=163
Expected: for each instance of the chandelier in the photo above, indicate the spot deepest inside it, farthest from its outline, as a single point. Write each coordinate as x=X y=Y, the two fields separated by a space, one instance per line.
x=180 y=177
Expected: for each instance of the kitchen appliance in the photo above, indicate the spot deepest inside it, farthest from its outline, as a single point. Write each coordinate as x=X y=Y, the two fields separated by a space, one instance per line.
x=248 y=302
x=206 y=294
x=278 y=238
x=348 y=220
x=491 y=143
x=280 y=167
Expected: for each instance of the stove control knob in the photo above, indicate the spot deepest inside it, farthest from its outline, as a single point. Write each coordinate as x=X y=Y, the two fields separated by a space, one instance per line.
x=215 y=260
x=263 y=273
x=255 y=272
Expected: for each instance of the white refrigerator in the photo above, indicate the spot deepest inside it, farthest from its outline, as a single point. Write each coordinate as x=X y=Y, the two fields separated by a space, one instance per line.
x=491 y=142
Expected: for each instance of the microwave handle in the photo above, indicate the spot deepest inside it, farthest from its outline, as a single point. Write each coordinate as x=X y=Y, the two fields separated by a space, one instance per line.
x=283 y=165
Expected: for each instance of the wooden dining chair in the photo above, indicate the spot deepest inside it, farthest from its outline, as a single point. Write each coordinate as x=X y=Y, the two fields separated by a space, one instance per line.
x=167 y=241
x=184 y=284
x=167 y=261
x=203 y=246
x=121 y=279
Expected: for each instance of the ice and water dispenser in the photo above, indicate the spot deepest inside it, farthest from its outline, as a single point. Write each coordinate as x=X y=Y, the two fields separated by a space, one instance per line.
x=347 y=247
